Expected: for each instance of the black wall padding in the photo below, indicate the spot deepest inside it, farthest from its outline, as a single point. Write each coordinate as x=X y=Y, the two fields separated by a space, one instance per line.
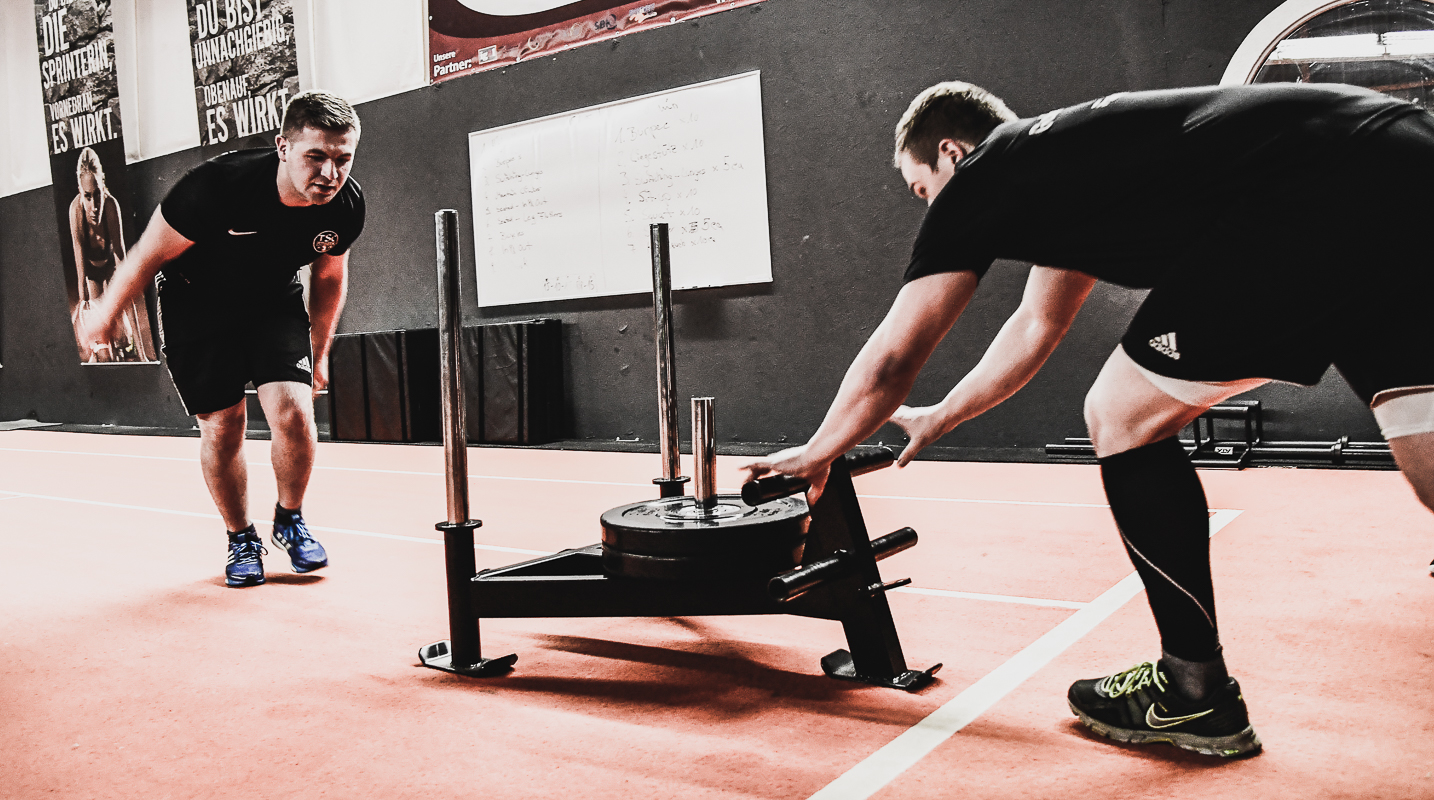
x=423 y=406
x=543 y=381
x=348 y=405
x=471 y=342
x=503 y=384
x=522 y=382
x=383 y=373
x=385 y=386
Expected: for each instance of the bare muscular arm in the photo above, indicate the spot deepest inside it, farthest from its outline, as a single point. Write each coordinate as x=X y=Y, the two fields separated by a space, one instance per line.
x=157 y=246
x=881 y=376
x=328 y=286
x=1048 y=307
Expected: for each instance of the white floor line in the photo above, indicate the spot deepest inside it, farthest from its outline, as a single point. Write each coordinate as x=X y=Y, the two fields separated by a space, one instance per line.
x=320 y=528
x=327 y=468
x=521 y=551
x=478 y=477
x=882 y=767
x=984 y=502
x=994 y=598
x=83 y=453
x=25 y=424
x=558 y=480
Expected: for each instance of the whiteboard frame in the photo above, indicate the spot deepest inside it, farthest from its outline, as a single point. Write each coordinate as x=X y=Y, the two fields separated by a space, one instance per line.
x=478 y=243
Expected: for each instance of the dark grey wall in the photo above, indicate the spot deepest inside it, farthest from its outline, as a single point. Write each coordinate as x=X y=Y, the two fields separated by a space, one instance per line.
x=835 y=76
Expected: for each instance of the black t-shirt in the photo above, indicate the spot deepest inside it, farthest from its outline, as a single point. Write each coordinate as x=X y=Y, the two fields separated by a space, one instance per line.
x=1131 y=186
x=248 y=245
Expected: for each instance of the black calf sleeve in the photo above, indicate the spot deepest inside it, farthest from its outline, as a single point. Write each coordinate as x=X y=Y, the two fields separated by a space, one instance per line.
x=1159 y=506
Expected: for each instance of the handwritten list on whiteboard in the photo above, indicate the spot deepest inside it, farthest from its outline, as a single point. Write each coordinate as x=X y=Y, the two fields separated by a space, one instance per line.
x=562 y=204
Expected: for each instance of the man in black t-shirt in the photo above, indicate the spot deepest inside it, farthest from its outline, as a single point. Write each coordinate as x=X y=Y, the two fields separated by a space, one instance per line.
x=1291 y=198
x=225 y=247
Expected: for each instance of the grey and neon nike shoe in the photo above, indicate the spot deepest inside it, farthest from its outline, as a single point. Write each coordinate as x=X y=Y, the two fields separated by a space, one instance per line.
x=1139 y=705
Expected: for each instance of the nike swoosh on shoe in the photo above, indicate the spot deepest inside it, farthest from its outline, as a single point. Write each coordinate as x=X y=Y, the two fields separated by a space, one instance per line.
x=233 y=232
x=1154 y=720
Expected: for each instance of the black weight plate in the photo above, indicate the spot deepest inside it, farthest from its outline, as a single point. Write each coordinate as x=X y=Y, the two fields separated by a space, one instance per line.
x=728 y=568
x=719 y=543
x=675 y=526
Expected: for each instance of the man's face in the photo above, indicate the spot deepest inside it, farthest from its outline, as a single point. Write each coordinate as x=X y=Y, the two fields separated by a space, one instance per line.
x=92 y=195
x=926 y=182
x=315 y=163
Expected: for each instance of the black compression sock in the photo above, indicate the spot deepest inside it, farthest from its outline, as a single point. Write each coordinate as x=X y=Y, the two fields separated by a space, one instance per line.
x=1194 y=680
x=284 y=514
x=249 y=529
x=1159 y=506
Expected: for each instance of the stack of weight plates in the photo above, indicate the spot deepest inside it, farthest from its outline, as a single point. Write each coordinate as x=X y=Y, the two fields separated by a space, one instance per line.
x=676 y=540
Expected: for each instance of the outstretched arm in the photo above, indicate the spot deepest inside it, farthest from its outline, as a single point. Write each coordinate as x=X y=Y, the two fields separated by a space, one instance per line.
x=77 y=233
x=328 y=286
x=1048 y=307
x=880 y=377
x=114 y=229
x=158 y=245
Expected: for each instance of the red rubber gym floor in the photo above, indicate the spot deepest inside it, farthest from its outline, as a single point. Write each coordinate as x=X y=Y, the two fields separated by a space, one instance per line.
x=128 y=669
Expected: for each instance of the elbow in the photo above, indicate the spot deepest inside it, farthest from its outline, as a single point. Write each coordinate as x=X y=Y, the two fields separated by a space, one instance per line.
x=326 y=281
x=896 y=369
x=1041 y=333
x=329 y=277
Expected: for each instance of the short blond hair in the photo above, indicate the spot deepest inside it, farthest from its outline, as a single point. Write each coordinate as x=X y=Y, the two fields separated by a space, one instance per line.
x=950 y=110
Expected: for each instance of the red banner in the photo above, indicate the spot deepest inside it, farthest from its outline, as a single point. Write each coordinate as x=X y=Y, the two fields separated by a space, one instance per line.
x=467 y=36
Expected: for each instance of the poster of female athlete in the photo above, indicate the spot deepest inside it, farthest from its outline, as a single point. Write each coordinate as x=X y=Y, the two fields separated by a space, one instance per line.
x=87 y=167
x=96 y=227
x=467 y=36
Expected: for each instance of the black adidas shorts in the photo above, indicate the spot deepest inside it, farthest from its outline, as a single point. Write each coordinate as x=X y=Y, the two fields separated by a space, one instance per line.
x=1234 y=324
x=213 y=352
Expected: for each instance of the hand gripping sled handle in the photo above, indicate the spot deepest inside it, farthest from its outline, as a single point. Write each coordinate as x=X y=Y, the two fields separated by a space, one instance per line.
x=858 y=462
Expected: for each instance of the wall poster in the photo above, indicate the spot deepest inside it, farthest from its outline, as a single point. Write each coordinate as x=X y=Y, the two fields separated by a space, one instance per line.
x=467 y=36
x=93 y=207
x=245 y=65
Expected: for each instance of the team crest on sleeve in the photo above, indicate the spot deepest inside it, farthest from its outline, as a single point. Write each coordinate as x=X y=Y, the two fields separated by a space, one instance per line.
x=326 y=241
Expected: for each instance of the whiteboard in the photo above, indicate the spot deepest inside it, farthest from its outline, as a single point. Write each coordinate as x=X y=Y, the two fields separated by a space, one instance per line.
x=562 y=204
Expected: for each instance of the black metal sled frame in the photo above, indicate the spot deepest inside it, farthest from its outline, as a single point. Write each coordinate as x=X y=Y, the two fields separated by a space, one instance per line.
x=838 y=580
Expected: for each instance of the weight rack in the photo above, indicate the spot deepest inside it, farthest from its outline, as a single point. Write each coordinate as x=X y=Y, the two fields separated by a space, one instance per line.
x=1208 y=450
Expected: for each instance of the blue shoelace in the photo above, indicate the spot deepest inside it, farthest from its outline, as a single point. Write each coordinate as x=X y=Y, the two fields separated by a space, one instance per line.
x=246 y=552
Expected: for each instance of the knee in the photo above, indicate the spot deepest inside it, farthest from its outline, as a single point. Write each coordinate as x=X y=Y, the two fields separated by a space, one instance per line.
x=292 y=418
x=223 y=430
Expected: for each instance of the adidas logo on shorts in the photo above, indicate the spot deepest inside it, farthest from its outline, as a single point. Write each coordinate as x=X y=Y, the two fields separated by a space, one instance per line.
x=1165 y=345
x=305 y=366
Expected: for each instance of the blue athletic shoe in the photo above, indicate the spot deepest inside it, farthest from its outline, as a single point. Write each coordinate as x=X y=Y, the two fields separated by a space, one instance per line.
x=245 y=568
x=305 y=554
